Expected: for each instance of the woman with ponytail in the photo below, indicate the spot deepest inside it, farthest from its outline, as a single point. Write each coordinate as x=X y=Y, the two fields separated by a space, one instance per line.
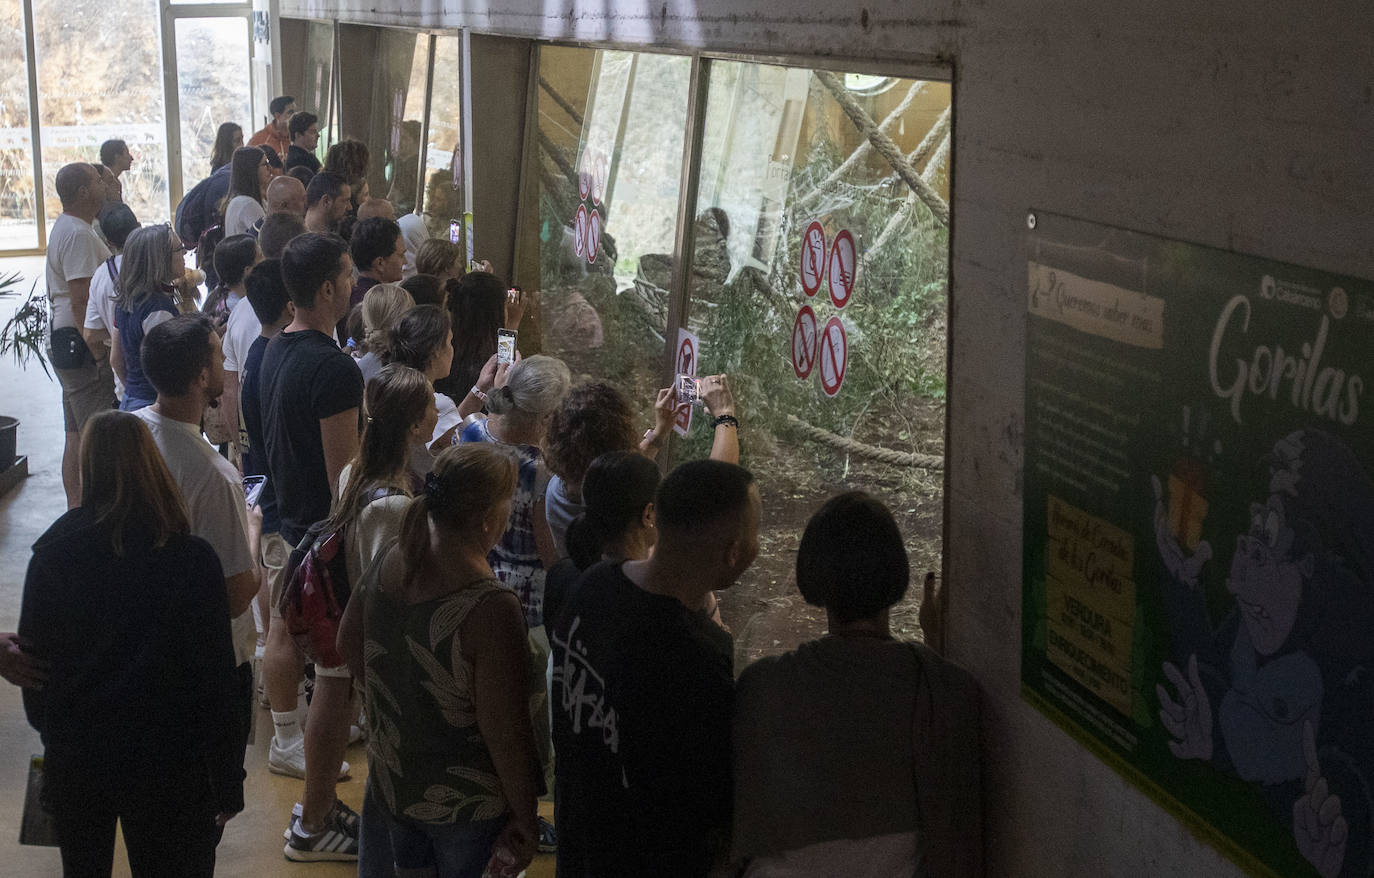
x=446 y=677
x=616 y=524
x=375 y=488
x=383 y=307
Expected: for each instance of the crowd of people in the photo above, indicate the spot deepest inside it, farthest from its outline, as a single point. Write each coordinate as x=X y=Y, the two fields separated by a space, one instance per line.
x=523 y=605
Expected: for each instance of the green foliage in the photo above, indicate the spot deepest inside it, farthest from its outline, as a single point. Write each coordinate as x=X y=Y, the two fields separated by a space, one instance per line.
x=25 y=335
x=894 y=320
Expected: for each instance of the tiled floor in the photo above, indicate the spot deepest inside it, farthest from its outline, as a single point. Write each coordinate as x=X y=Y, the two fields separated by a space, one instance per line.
x=252 y=841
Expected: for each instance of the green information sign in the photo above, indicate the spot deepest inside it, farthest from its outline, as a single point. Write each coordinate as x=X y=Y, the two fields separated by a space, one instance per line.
x=1199 y=535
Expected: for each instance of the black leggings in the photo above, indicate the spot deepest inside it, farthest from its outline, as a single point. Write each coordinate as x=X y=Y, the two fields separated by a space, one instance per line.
x=166 y=812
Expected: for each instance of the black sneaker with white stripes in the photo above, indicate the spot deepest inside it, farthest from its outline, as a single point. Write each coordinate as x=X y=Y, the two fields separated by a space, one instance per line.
x=337 y=841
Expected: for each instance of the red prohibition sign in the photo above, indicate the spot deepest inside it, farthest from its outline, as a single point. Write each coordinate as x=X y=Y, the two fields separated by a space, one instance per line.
x=812 y=267
x=580 y=229
x=593 y=236
x=804 y=342
x=834 y=356
x=841 y=268
x=584 y=176
x=686 y=356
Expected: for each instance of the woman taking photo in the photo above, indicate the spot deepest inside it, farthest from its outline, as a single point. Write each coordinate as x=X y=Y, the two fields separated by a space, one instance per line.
x=446 y=677
x=154 y=259
x=138 y=713
x=248 y=179
x=479 y=305
x=228 y=138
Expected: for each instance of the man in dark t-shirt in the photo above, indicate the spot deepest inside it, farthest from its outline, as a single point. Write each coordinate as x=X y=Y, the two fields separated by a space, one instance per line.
x=310 y=394
x=643 y=690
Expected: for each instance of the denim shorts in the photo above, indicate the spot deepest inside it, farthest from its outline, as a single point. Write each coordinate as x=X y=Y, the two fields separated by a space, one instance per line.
x=405 y=848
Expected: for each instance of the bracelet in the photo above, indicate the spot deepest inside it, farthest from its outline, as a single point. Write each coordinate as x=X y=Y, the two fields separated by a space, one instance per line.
x=730 y=420
x=477 y=392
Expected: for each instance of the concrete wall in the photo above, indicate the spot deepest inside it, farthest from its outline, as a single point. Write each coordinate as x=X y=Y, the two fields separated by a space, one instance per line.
x=1241 y=126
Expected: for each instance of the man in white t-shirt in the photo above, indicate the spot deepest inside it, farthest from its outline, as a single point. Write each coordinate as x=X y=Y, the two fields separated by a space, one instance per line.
x=117 y=221
x=75 y=253
x=182 y=359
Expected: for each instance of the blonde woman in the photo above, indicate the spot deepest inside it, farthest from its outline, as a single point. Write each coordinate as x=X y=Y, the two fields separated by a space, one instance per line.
x=440 y=258
x=445 y=673
x=383 y=307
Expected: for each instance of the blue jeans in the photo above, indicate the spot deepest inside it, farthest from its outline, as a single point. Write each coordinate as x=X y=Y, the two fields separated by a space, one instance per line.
x=398 y=846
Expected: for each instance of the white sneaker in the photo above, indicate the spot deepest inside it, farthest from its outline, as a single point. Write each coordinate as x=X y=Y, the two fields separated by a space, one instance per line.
x=290 y=761
x=355 y=734
x=337 y=841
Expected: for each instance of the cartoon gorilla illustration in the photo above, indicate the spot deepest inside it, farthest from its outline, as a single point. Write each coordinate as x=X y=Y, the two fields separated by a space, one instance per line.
x=1280 y=693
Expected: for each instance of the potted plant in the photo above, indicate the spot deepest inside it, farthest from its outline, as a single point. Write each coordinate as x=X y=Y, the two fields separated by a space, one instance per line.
x=25 y=338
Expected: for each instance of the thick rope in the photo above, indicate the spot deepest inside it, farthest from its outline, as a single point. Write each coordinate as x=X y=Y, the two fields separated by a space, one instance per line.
x=872 y=452
x=858 y=155
x=884 y=144
x=561 y=101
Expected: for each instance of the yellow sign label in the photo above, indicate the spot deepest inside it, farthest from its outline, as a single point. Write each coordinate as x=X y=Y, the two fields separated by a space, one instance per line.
x=1097 y=308
x=1090 y=601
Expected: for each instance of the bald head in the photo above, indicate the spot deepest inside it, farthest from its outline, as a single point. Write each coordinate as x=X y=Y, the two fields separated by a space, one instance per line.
x=286 y=195
x=376 y=207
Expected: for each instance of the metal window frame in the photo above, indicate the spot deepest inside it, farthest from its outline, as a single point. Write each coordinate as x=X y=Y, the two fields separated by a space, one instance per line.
x=698 y=97
x=35 y=140
x=171 y=13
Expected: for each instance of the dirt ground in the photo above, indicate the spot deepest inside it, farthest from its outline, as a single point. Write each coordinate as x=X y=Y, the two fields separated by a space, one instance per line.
x=764 y=610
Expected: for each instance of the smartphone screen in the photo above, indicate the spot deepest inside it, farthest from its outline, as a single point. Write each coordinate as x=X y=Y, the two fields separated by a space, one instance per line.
x=505 y=346
x=455 y=231
x=252 y=488
x=688 y=390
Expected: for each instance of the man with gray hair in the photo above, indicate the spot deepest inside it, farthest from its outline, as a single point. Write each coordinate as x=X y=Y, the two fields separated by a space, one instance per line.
x=75 y=252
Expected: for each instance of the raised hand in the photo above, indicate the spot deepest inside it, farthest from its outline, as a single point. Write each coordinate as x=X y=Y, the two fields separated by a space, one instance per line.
x=715 y=392
x=1184 y=568
x=1189 y=719
x=1319 y=827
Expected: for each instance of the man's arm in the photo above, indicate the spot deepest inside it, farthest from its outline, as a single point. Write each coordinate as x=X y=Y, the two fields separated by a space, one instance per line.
x=229 y=411
x=243 y=586
x=339 y=436
x=79 y=289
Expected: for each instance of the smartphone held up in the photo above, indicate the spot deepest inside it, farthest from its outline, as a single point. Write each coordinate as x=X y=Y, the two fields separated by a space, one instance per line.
x=505 y=346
